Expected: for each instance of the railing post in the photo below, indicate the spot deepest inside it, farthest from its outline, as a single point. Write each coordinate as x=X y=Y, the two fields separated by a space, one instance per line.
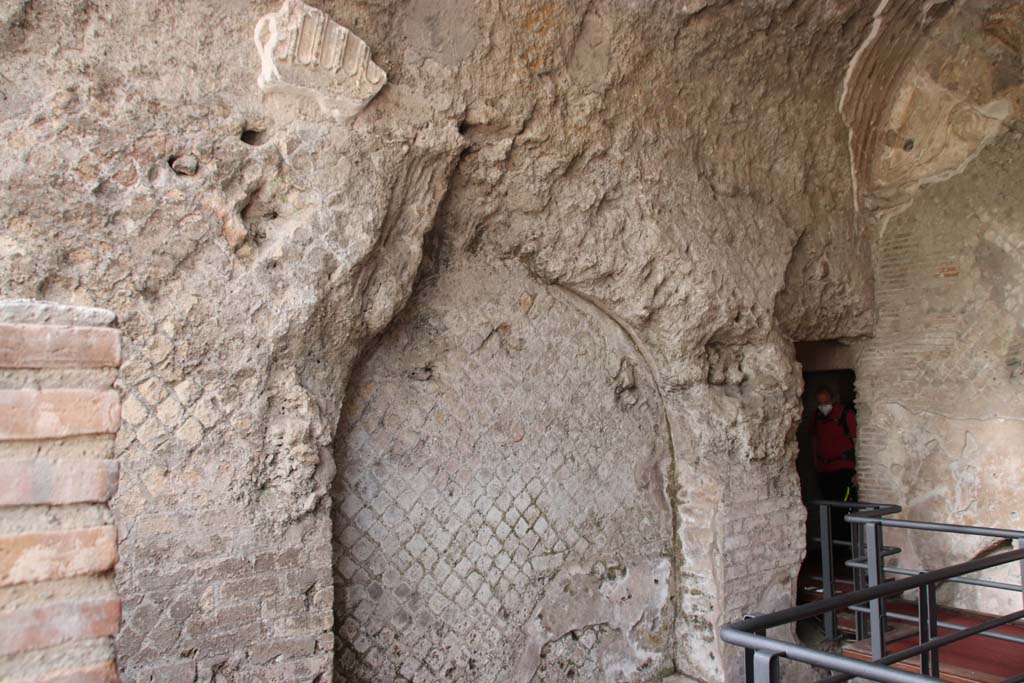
x=1020 y=546
x=873 y=534
x=858 y=551
x=766 y=666
x=827 y=571
x=748 y=654
x=928 y=628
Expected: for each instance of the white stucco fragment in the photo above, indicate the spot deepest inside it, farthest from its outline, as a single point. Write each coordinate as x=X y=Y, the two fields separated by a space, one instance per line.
x=304 y=53
x=619 y=598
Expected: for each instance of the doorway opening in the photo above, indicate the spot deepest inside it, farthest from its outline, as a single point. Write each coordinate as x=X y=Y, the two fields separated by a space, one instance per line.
x=842 y=385
x=827 y=366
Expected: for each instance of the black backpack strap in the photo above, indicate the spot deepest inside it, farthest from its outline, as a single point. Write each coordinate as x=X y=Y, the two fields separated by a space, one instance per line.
x=843 y=423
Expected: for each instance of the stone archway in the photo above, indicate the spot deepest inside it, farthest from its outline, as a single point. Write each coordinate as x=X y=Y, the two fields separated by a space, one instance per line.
x=502 y=502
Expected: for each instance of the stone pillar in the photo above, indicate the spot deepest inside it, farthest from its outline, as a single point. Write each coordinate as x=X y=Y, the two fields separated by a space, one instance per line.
x=59 y=413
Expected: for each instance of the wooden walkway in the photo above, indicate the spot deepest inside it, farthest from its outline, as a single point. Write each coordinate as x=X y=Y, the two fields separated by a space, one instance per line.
x=977 y=659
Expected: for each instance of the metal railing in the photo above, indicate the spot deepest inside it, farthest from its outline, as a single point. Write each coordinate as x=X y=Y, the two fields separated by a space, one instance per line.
x=827 y=544
x=867 y=521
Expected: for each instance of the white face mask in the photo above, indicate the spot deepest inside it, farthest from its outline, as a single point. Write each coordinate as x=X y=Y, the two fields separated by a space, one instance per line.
x=825 y=408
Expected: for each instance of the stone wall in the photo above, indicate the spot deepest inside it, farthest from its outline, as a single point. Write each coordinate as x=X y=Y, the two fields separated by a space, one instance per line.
x=939 y=384
x=247 y=256
x=59 y=412
x=672 y=177
x=505 y=446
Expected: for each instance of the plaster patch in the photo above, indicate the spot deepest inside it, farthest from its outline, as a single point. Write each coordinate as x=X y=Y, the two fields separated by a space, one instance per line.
x=628 y=598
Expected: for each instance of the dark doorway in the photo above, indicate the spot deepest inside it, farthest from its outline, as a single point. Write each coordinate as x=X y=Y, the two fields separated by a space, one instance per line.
x=843 y=387
x=841 y=383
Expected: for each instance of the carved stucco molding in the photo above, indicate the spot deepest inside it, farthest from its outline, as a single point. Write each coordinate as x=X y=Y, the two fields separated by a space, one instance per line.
x=304 y=53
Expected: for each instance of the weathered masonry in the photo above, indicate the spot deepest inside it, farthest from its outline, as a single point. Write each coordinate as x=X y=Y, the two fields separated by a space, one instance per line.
x=59 y=414
x=457 y=341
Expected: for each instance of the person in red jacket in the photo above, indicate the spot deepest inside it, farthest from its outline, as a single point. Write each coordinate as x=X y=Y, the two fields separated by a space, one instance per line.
x=835 y=435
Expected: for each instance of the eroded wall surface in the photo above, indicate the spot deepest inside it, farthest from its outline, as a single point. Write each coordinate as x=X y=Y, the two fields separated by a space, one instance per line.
x=940 y=384
x=680 y=167
x=503 y=487
x=241 y=252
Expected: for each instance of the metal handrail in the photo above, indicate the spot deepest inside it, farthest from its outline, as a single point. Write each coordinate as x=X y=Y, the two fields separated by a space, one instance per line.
x=867 y=521
x=900 y=571
x=936 y=526
x=899 y=616
x=860 y=578
x=936 y=643
x=750 y=633
x=814 y=609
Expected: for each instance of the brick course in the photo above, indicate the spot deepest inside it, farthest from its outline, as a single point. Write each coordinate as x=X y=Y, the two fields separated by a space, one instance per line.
x=55 y=436
x=105 y=672
x=58 y=346
x=36 y=627
x=61 y=554
x=41 y=482
x=57 y=413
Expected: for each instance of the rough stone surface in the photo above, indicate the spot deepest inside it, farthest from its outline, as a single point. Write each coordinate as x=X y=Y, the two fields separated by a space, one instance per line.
x=671 y=181
x=243 y=292
x=459 y=541
x=593 y=154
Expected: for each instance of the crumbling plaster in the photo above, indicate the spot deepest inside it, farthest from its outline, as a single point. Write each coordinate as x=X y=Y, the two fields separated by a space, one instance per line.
x=940 y=382
x=679 y=171
x=937 y=177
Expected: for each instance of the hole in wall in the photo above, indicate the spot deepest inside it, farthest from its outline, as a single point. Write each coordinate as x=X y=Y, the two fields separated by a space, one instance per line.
x=253 y=136
x=183 y=164
x=257 y=212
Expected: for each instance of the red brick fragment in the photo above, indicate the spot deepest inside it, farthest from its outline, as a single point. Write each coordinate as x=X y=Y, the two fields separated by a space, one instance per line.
x=56 y=413
x=39 y=626
x=39 y=556
x=43 y=482
x=58 y=346
x=103 y=672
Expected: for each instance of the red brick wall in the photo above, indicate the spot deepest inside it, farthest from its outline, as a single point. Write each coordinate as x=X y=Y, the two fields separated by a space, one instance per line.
x=59 y=413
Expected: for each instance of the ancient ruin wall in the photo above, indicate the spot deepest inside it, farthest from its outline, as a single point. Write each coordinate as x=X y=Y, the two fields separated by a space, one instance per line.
x=502 y=496
x=59 y=412
x=681 y=168
x=243 y=256
x=940 y=383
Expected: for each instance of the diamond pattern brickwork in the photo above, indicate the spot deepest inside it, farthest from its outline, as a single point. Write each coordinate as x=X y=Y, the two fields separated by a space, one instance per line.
x=492 y=439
